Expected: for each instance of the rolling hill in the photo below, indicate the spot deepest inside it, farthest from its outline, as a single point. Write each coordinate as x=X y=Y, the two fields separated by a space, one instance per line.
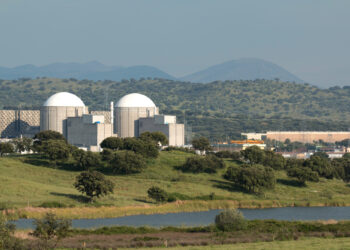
x=218 y=110
x=242 y=69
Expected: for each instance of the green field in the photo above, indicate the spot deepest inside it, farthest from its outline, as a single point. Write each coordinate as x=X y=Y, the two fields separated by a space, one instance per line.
x=25 y=185
x=307 y=243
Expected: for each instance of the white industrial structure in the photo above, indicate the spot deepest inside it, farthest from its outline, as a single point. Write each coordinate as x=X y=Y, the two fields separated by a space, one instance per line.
x=133 y=114
x=128 y=110
x=56 y=110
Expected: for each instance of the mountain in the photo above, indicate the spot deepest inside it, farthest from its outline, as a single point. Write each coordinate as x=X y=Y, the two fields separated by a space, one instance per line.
x=242 y=69
x=91 y=70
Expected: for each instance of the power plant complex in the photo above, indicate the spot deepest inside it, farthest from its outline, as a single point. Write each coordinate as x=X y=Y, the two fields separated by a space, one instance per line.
x=66 y=113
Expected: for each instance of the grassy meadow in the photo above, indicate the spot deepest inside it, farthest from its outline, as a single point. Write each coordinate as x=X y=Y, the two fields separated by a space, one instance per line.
x=26 y=186
x=306 y=243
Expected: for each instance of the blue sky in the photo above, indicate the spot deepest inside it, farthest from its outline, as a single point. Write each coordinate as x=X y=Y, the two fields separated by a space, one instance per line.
x=310 y=38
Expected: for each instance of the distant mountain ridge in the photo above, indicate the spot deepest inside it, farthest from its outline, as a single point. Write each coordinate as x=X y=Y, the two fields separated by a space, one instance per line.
x=241 y=69
x=91 y=70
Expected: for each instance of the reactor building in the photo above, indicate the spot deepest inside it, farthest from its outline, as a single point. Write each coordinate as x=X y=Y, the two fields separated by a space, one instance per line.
x=66 y=113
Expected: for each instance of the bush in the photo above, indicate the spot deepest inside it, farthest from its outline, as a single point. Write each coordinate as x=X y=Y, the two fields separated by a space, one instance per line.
x=230 y=220
x=201 y=144
x=127 y=163
x=6 y=148
x=113 y=143
x=7 y=238
x=145 y=148
x=55 y=149
x=200 y=164
x=86 y=159
x=52 y=204
x=50 y=230
x=251 y=177
x=303 y=174
x=107 y=154
x=157 y=194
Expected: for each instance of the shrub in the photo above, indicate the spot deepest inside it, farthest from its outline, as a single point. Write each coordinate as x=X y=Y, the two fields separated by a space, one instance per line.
x=303 y=174
x=201 y=144
x=157 y=137
x=230 y=220
x=50 y=230
x=254 y=155
x=200 y=164
x=251 y=177
x=157 y=194
x=55 y=149
x=113 y=143
x=52 y=204
x=6 y=148
x=86 y=159
x=107 y=154
x=127 y=163
x=7 y=238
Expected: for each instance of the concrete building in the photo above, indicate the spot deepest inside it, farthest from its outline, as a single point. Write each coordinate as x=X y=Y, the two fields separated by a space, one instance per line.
x=56 y=110
x=301 y=136
x=165 y=124
x=128 y=110
x=88 y=131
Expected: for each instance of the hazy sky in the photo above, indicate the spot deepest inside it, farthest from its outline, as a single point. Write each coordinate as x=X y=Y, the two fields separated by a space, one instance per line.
x=309 y=38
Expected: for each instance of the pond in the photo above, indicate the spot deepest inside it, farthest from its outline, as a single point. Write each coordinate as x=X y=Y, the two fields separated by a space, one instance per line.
x=206 y=217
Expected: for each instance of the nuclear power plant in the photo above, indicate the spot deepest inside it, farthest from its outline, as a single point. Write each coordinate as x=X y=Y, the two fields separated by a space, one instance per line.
x=66 y=113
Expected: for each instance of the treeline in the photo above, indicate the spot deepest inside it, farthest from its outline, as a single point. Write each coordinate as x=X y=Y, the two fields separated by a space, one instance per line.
x=215 y=110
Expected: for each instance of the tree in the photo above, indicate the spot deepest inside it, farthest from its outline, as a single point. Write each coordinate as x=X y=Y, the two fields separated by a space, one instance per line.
x=203 y=164
x=93 y=184
x=48 y=135
x=145 y=148
x=253 y=178
x=253 y=154
x=157 y=137
x=6 y=148
x=303 y=174
x=276 y=161
x=114 y=143
x=50 y=230
x=230 y=220
x=23 y=144
x=157 y=194
x=86 y=159
x=127 y=162
x=201 y=144
x=321 y=165
x=55 y=149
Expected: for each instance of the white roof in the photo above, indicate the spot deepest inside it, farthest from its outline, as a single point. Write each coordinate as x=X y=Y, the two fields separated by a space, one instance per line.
x=135 y=100
x=64 y=99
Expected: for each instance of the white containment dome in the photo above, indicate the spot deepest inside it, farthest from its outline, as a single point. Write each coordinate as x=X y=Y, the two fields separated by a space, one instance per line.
x=135 y=100
x=64 y=99
x=128 y=110
x=57 y=108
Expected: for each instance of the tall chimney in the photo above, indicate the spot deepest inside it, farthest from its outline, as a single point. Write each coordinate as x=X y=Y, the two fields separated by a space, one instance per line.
x=112 y=116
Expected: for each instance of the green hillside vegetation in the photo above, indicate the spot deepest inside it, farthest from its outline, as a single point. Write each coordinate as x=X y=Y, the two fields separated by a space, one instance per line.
x=29 y=180
x=215 y=110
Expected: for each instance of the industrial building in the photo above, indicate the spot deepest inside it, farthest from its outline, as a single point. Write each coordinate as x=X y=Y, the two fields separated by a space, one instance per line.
x=66 y=113
x=301 y=136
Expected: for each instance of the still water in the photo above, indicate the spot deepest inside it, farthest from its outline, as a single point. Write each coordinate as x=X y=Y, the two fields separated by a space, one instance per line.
x=207 y=217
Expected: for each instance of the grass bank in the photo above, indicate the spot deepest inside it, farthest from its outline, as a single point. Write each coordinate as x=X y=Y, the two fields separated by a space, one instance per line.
x=268 y=231
x=305 y=243
x=26 y=183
